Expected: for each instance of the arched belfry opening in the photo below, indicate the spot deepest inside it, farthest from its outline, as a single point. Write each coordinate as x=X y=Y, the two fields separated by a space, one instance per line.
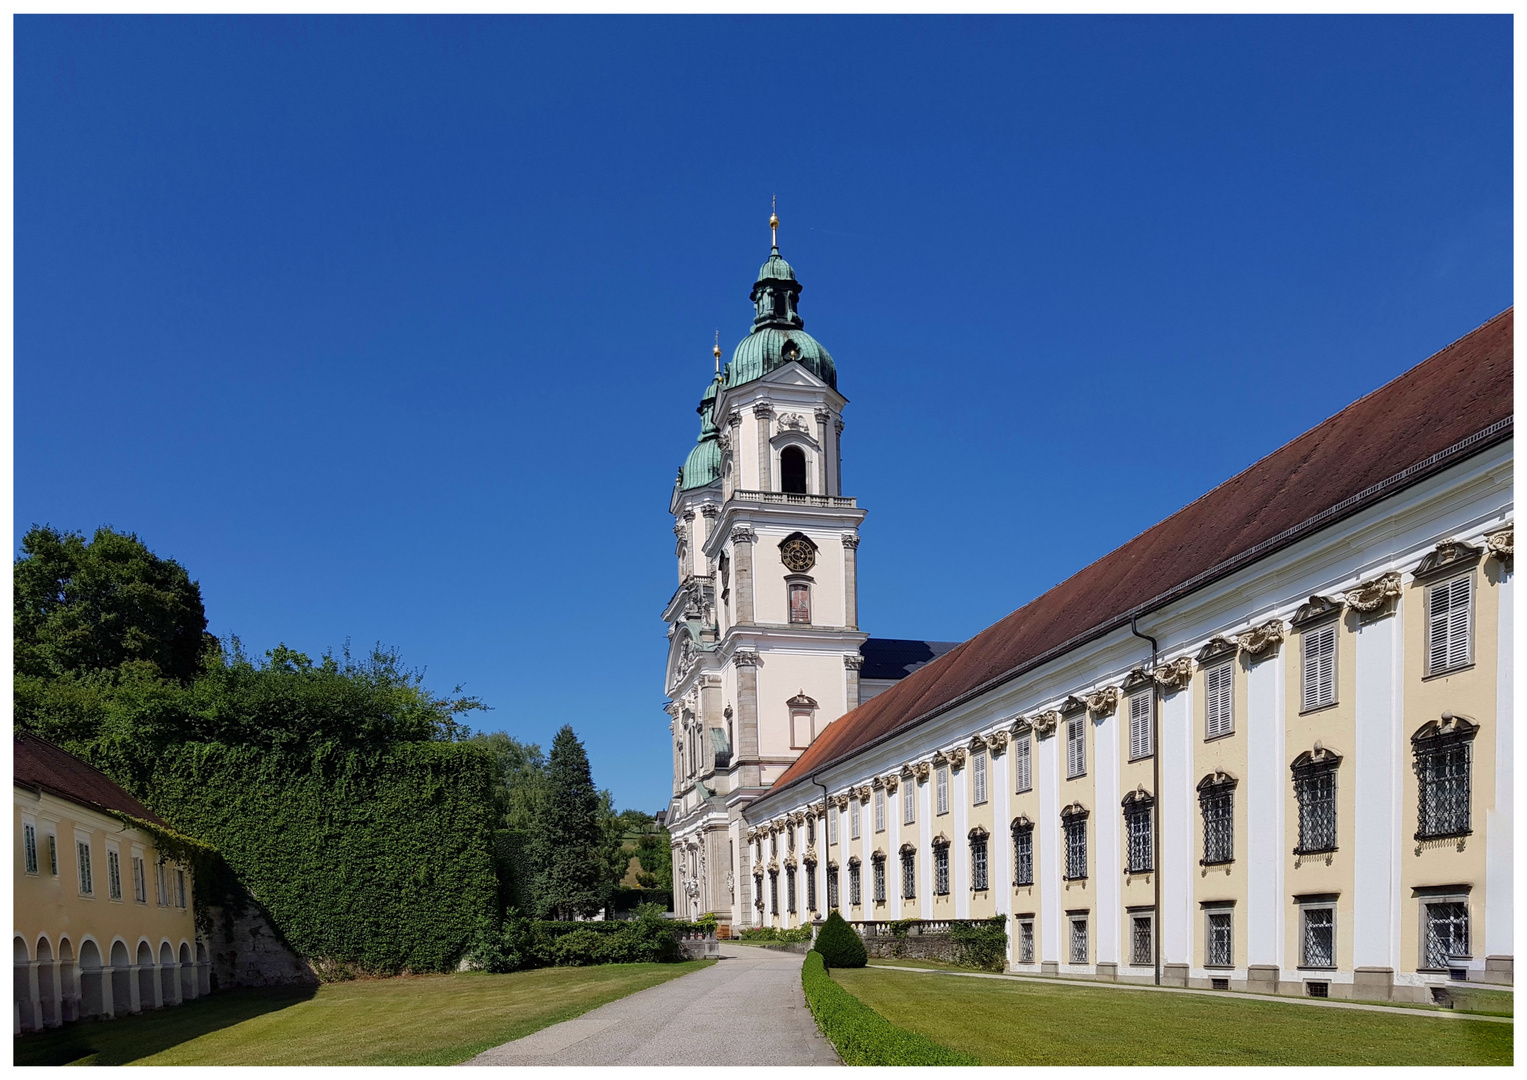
x=792 y=470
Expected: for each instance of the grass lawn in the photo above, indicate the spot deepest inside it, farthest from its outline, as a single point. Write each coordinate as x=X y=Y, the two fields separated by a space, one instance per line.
x=411 y=1020
x=1025 y=1023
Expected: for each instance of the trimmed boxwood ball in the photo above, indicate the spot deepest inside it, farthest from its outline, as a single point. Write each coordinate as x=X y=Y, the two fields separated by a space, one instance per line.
x=839 y=944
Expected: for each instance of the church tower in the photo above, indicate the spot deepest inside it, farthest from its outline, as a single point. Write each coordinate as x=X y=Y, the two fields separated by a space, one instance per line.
x=764 y=638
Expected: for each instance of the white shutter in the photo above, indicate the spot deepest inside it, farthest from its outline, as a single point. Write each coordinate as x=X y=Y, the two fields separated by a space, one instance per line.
x=832 y=826
x=853 y=817
x=1448 y=615
x=1021 y=762
x=978 y=776
x=880 y=809
x=1140 y=725
x=943 y=790
x=1219 y=684
x=1320 y=667
x=1076 y=748
x=908 y=800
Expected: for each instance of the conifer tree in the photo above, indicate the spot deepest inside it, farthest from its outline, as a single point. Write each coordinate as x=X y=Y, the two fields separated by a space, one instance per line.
x=567 y=849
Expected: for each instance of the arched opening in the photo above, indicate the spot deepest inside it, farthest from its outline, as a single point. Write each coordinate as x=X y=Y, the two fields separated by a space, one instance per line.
x=121 y=979
x=26 y=1016
x=47 y=983
x=792 y=470
x=146 y=976
x=68 y=982
x=187 y=973
x=92 y=993
x=168 y=984
x=203 y=970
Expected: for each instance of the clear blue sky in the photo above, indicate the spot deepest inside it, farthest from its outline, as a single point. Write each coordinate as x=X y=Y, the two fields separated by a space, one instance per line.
x=393 y=329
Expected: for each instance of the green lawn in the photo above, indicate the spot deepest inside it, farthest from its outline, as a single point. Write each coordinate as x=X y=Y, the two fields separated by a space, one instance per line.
x=412 y=1020
x=1025 y=1023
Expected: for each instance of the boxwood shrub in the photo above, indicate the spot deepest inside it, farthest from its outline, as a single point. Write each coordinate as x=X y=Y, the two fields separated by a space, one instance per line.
x=860 y=1034
x=840 y=945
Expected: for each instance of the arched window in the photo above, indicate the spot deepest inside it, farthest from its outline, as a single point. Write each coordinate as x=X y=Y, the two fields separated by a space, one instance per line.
x=792 y=470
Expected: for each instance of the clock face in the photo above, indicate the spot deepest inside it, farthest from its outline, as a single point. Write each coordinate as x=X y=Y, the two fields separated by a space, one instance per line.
x=798 y=554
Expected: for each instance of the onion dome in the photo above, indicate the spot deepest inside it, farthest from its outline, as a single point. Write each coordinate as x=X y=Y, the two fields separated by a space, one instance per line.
x=703 y=466
x=778 y=336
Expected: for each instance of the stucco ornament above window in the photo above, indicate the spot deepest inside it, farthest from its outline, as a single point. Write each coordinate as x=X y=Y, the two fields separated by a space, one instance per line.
x=1373 y=595
x=1175 y=674
x=997 y=741
x=1044 y=723
x=1450 y=555
x=1501 y=544
x=1217 y=648
x=1259 y=639
x=1315 y=609
x=957 y=757
x=1103 y=702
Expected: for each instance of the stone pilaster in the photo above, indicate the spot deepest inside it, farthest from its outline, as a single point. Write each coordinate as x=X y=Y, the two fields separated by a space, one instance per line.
x=822 y=416
x=742 y=572
x=762 y=412
x=837 y=453
x=851 y=584
x=747 y=718
x=851 y=665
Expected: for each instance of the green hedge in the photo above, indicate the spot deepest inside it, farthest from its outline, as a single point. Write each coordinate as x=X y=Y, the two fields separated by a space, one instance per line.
x=378 y=860
x=860 y=1034
x=771 y=933
x=982 y=943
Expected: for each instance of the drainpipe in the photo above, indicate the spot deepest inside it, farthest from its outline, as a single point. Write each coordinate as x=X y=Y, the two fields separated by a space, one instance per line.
x=1156 y=795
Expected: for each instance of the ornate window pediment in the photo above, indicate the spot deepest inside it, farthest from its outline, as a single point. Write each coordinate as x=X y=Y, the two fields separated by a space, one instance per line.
x=1021 y=822
x=853 y=860
x=1450 y=555
x=1217 y=779
x=1075 y=812
x=1321 y=755
x=978 y=833
x=908 y=849
x=997 y=741
x=1137 y=679
x=1315 y=609
x=1138 y=798
x=1216 y=649
x=1450 y=726
x=1044 y=723
x=1262 y=639
x=1373 y=595
x=940 y=840
x=1072 y=704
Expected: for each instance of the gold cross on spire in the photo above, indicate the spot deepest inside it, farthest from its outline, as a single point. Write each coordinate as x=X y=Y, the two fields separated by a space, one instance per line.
x=773 y=220
x=717 y=352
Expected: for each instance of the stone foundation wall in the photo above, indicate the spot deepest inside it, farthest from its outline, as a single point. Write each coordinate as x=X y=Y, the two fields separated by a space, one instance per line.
x=246 y=951
x=939 y=947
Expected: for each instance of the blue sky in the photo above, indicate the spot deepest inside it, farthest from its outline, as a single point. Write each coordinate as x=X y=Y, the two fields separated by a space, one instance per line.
x=393 y=329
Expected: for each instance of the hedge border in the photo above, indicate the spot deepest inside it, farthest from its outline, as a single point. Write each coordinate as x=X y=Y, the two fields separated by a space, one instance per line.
x=862 y=1036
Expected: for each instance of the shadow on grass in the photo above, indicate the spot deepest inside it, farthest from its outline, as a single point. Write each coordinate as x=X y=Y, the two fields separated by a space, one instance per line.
x=132 y=1038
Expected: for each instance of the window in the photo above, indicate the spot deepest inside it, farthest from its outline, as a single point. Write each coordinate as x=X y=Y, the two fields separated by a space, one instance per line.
x=811 y=886
x=1023 y=852
x=941 y=869
x=803 y=714
x=1319 y=668
x=908 y=873
x=1216 y=793
x=832 y=888
x=792 y=461
x=854 y=891
x=1141 y=939
x=53 y=854
x=87 y=885
x=1447 y=933
x=140 y=880
x=1318 y=947
x=1026 y=941
x=978 y=777
x=1021 y=772
x=1448 y=616
x=1074 y=825
x=790 y=890
x=853 y=817
x=800 y=602
x=29 y=844
x=832 y=825
x=978 y=863
x=774 y=845
x=1139 y=810
x=909 y=802
x=1219 y=701
x=879 y=863
x=180 y=888
x=1443 y=751
x=161 y=885
x=113 y=875
x=1078 y=939
x=880 y=809
x=941 y=788
x=789 y=842
x=773 y=892
x=1315 y=791
x=1076 y=746
x=1217 y=943
x=811 y=829
x=1140 y=709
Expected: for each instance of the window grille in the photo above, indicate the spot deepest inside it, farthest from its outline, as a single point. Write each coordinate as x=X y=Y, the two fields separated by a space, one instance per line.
x=978 y=864
x=800 y=603
x=832 y=825
x=941 y=785
x=1447 y=933
x=1216 y=802
x=880 y=880
x=773 y=892
x=1076 y=747
x=1021 y=771
x=113 y=875
x=880 y=809
x=1026 y=941
x=1217 y=950
x=1442 y=766
x=53 y=855
x=832 y=888
x=1315 y=791
x=978 y=777
x=1023 y=854
x=908 y=879
x=1141 y=940
x=1079 y=940
x=811 y=829
x=1075 y=828
x=789 y=843
x=29 y=841
x=855 y=897
x=1138 y=829
x=1319 y=949
x=87 y=886
x=1319 y=668
x=1140 y=706
x=140 y=881
x=908 y=802
x=790 y=890
x=1448 y=615
x=941 y=870
x=853 y=817
x=774 y=845
x=1219 y=695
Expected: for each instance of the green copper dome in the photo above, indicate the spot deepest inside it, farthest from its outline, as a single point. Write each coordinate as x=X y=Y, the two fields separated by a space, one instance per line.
x=703 y=465
x=770 y=347
x=775 y=269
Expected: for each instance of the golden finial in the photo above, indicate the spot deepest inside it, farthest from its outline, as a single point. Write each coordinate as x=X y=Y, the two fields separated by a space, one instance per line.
x=773 y=220
x=717 y=352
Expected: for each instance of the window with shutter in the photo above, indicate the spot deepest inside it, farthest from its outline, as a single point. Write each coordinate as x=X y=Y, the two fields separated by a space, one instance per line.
x=941 y=784
x=853 y=817
x=113 y=875
x=1021 y=770
x=880 y=809
x=908 y=802
x=978 y=777
x=1319 y=668
x=1448 y=617
x=1219 y=684
x=140 y=881
x=832 y=826
x=1076 y=747
x=1140 y=725
x=29 y=840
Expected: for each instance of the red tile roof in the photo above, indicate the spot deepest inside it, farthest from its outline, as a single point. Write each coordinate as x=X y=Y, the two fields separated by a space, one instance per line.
x=1402 y=432
x=40 y=764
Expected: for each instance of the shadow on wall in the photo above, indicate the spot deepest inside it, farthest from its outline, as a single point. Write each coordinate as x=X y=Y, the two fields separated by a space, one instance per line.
x=133 y=1038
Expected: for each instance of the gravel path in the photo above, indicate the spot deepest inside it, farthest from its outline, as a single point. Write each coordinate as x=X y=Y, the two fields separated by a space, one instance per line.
x=746 y=1009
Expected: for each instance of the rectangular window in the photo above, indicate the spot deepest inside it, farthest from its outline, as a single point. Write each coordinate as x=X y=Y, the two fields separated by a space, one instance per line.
x=1023 y=855
x=1079 y=939
x=853 y=818
x=773 y=892
x=1076 y=747
x=1137 y=827
x=140 y=881
x=880 y=809
x=1076 y=848
x=1217 y=946
x=1219 y=695
x=941 y=788
x=1315 y=791
x=1141 y=940
x=908 y=876
x=909 y=802
x=1140 y=707
x=774 y=845
x=790 y=890
x=1447 y=933
x=180 y=888
x=832 y=825
x=161 y=883
x=811 y=886
x=855 y=893
x=1319 y=942
x=1026 y=941
x=1023 y=778
x=978 y=777
x=29 y=844
x=1448 y=615
x=53 y=854
x=1319 y=668
x=113 y=875
x=800 y=603
x=832 y=888
x=941 y=870
x=811 y=829
x=1443 y=770
x=978 y=864
x=87 y=884
x=880 y=881
x=1216 y=803
x=789 y=842
x=802 y=728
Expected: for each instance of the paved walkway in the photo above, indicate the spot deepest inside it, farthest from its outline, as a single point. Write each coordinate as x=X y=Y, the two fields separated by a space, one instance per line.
x=746 y=1009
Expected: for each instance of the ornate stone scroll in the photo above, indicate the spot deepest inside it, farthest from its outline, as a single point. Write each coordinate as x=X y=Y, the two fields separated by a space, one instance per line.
x=1317 y=607
x=745 y=658
x=1136 y=679
x=1372 y=595
x=743 y=534
x=891 y=781
x=1259 y=639
x=1175 y=674
x=1500 y=544
x=1103 y=702
x=957 y=757
x=997 y=741
x=1072 y=704
x=1044 y=723
x=853 y=661
x=923 y=770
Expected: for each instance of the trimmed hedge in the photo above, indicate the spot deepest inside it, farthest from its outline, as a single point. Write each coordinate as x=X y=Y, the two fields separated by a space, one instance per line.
x=840 y=944
x=530 y=943
x=860 y=1034
x=771 y=933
